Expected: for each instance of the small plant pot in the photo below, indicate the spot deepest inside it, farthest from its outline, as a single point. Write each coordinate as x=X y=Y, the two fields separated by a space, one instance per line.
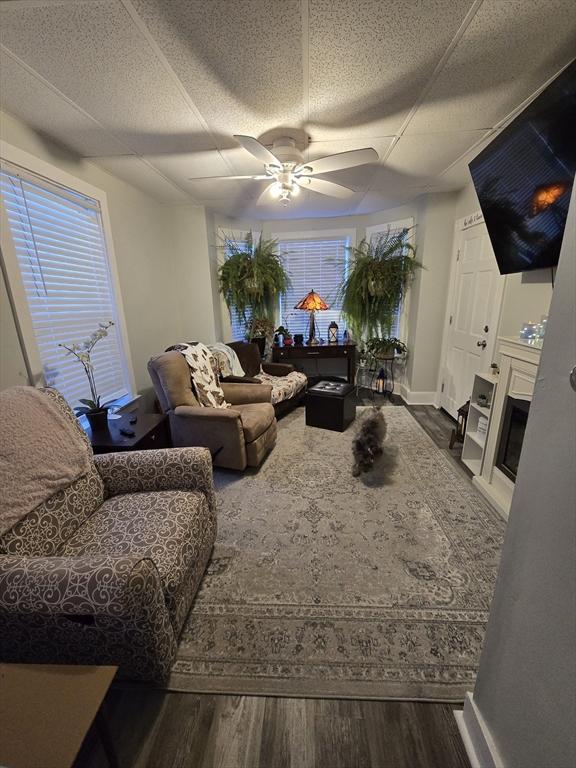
x=98 y=420
x=384 y=353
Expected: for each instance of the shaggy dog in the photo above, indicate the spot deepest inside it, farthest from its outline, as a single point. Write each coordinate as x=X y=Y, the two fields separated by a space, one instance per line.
x=367 y=445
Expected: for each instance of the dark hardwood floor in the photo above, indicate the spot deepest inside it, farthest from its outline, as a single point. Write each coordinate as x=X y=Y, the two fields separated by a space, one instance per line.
x=153 y=729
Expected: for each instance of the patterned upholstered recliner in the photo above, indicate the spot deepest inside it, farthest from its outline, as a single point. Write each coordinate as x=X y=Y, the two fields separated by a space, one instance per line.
x=105 y=571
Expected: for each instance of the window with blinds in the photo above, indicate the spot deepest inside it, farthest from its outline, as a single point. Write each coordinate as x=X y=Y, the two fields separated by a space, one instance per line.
x=237 y=326
x=317 y=264
x=61 y=251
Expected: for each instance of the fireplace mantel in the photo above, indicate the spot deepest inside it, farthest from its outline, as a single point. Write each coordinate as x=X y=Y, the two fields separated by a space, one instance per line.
x=518 y=361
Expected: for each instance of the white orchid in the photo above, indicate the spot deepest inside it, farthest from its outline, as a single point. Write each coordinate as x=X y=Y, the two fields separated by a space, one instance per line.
x=82 y=351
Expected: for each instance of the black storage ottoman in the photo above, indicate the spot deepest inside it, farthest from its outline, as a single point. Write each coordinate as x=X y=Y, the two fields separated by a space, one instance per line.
x=330 y=405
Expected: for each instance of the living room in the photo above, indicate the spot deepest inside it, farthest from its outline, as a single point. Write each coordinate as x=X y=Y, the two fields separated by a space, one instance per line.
x=332 y=619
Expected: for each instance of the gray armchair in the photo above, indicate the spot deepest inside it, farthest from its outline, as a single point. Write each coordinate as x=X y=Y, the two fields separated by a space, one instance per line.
x=237 y=437
x=105 y=571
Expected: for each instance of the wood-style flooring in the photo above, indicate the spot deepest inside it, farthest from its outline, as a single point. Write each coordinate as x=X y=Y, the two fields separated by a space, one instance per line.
x=153 y=729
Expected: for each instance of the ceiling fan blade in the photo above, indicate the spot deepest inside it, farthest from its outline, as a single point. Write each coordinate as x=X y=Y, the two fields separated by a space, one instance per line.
x=324 y=187
x=259 y=151
x=228 y=178
x=265 y=197
x=341 y=161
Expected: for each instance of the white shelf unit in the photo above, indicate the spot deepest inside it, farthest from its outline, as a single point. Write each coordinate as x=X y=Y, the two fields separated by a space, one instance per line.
x=475 y=440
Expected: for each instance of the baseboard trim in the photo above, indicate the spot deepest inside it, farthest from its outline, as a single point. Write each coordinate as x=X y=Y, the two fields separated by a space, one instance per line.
x=418 y=398
x=478 y=741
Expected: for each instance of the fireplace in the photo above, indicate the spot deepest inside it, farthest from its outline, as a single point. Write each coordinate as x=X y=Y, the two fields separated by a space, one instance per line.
x=512 y=436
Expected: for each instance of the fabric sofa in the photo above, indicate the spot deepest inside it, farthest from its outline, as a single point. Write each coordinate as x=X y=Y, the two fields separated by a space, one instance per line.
x=237 y=437
x=288 y=385
x=105 y=571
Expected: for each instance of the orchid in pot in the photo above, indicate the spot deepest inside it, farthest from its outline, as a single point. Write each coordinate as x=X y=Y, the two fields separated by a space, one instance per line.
x=95 y=411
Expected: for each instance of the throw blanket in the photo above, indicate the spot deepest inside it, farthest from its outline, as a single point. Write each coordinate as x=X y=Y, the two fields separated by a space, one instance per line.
x=205 y=381
x=283 y=387
x=228 y=359
x=41 y=453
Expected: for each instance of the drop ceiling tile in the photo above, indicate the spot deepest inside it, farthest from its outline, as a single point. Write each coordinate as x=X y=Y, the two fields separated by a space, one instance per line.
x=26 y=97
x=240 y=60
x=380 y=200
x=427 y=155
x=137 y=173
x=181 y=167
x=94 y=54
x=508 y=51
x=369 y=61
x=320 y=148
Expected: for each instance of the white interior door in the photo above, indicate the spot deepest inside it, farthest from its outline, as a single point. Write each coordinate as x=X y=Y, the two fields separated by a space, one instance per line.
x=474 y=315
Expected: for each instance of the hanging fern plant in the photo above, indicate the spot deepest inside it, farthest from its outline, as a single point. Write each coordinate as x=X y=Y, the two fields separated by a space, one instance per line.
x=380 y=274
x=252 y=278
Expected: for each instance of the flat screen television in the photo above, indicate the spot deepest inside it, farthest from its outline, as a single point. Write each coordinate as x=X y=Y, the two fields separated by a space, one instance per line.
x=524 y=179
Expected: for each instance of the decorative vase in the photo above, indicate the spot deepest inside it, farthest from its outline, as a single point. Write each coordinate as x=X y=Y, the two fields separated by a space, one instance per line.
x=98 y=420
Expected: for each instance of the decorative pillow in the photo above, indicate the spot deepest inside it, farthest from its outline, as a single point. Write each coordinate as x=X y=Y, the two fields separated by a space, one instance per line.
x=204 y=378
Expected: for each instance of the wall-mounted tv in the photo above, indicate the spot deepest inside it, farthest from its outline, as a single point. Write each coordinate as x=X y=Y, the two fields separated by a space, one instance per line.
x=524 y=179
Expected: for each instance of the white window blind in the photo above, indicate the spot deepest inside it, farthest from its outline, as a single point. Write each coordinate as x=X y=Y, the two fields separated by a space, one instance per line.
x=319 y=265
x=237 y=326
x=61 y=252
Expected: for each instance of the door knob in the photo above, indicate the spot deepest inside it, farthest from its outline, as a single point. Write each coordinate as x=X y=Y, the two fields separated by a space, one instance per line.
x=573 y=378
x=481 y=343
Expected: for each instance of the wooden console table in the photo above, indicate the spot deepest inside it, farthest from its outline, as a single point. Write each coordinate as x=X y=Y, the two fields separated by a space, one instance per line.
x=319 y=352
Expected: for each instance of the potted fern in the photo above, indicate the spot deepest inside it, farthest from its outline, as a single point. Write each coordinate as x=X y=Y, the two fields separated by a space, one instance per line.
x=252 y=278
x=376 y=284
x=383 y=348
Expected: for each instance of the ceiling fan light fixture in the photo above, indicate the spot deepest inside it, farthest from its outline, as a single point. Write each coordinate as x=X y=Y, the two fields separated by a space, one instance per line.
x=276 y=190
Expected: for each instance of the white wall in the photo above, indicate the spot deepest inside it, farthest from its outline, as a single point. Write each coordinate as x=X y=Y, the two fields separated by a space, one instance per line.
x=12 y=366
x=429 y=293
x=527 y=295
x=161 y=254
x=525 y=685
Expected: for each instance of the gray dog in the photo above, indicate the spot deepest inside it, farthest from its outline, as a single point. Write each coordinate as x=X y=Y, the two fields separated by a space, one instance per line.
x=367 y=445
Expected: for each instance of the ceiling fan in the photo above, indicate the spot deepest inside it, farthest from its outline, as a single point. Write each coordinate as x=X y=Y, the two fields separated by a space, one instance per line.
x=285 y=169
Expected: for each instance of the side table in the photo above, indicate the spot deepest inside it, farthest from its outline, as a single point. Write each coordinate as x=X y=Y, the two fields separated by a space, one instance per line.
x=151 y=430
x=47 y=709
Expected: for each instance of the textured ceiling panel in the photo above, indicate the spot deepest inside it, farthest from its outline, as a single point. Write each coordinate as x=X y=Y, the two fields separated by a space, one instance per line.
x=369 y=61
x=94 y=54
x=240 y=60
x=26 y=97
x=429 y=154
x=509 y=50
x=318 y=149
x=140 y=175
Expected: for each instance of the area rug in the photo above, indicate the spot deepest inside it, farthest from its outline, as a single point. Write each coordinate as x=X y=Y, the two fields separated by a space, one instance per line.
x=322 y=584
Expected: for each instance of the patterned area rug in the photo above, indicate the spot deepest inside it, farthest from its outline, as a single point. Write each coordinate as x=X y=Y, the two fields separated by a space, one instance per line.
x=322 y=584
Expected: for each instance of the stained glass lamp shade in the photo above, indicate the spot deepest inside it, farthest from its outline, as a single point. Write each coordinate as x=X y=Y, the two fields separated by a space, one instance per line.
x=312 y=303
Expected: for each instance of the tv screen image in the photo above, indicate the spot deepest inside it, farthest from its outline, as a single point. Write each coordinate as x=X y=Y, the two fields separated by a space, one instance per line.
x=524 y=179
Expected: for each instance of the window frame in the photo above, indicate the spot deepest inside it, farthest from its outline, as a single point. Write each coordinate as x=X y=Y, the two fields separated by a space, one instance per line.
x=348 y=234
x=377 y=229
x=13 y=158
